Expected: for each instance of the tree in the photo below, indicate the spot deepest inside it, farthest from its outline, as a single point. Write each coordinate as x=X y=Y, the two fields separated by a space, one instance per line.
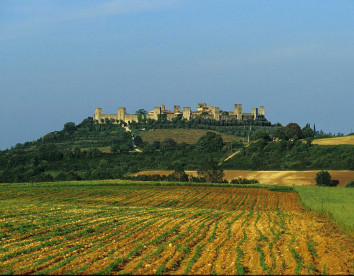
x=157 y=145
x=69 y=127
x=138 y=140
x=350 y=184
x=149 y=148
x=210 y=142
x=49 y=152
x=168 y=144
x=115 y=148
x=76 y=152
x=124 y=148
x=141 y=112
x=261 y=134
x=292 y=130
x=179 y=172
x=211 y=171
x=281 y=134
x=308 y=132
x=323 y=178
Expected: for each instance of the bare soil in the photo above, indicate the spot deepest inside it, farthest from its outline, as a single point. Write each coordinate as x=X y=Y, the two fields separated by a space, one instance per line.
x=187 y=230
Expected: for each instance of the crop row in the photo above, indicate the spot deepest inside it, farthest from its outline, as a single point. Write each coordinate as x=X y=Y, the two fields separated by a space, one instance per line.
x=156 y=230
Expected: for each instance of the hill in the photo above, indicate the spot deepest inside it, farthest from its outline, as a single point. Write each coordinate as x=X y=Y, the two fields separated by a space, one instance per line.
x=189 y=136
x=345 y=140
x=106 y=151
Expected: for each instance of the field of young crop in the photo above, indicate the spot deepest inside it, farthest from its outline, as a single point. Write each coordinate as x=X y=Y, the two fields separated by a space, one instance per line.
x=64 y=228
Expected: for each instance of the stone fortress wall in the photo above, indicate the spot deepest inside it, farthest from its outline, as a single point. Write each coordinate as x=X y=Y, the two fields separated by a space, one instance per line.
x=204 y=111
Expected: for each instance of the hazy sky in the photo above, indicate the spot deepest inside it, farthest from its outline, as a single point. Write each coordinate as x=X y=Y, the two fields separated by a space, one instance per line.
x=61 y=59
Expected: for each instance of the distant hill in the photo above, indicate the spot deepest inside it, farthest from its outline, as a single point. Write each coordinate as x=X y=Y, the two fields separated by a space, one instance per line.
x=345 y=140
x=105 y=151
x=189 y=136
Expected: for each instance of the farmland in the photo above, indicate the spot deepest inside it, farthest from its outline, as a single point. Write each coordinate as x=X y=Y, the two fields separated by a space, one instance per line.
x=345 y=140
x=284 y=178
x=112 y=227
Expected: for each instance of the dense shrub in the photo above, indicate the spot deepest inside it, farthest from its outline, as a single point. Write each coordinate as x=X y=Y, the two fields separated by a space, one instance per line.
x=350 y=184
x=323 y=178
x=240 y=180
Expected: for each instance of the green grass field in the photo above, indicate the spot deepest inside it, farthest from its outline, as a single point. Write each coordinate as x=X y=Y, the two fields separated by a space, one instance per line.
x=336 y=202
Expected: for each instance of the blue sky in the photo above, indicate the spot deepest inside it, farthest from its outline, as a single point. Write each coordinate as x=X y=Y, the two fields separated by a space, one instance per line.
x=61 y=59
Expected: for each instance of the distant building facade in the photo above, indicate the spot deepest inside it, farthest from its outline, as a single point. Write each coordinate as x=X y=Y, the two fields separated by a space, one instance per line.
x=203 y=111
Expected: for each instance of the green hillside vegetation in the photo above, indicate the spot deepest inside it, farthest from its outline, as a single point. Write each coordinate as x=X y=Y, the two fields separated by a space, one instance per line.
x=189 y=136
x=73 y=153
x=237 y=128
x=292 y=155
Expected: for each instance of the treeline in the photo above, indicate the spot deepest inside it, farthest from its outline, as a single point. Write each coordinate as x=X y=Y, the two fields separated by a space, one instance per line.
x=188 y=178
x=292 y=155
x=231 y=127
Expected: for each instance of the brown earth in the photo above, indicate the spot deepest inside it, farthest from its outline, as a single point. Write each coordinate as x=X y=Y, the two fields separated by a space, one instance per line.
x=189 y=136
x=284 y=178
x=177 y=230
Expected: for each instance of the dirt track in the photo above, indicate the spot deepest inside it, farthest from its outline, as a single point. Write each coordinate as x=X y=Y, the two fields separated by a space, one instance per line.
x=285 y=178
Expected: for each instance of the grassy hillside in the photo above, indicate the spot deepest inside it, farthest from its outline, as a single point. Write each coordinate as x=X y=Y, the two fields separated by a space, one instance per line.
x=345 y=140
x=189 y=136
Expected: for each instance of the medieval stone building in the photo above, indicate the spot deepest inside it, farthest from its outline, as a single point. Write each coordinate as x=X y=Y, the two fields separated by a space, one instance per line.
x=203 y=111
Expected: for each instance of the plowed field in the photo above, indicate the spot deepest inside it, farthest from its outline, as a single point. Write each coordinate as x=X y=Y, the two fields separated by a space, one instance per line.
x=146 y=229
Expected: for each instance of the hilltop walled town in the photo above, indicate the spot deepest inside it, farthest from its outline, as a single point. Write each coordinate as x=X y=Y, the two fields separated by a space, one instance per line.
x=204 y=111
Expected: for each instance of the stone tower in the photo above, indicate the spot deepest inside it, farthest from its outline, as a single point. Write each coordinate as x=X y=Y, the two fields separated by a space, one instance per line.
x=177 y=109
x=163 y=108
x=255 y=113
x=238 y=111
x=98 y=113
x=121 y=113
x=261 y=110
x=216 y=113
x=156 y=112
x=202 y=107
x=187 y=113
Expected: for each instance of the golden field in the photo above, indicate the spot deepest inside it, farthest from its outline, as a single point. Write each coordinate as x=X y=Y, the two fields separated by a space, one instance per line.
x=345 y=140
x=283 y=178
